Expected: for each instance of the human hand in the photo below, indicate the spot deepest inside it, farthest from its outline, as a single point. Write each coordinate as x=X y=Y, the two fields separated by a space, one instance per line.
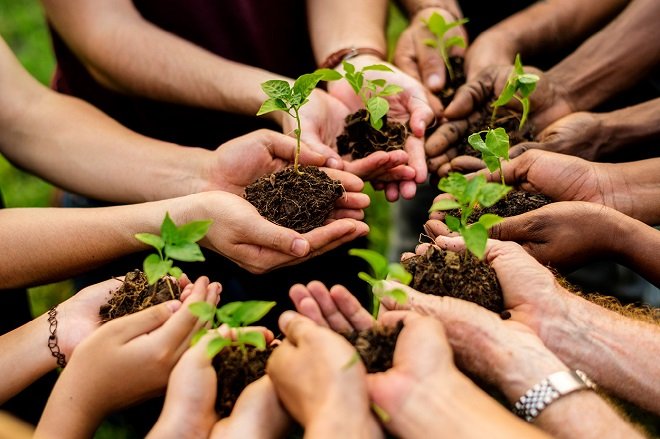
x=126 y=360
x=421 y=61
x=336 y=308
x=316 y=380
x=489 y=49
x=241 y=234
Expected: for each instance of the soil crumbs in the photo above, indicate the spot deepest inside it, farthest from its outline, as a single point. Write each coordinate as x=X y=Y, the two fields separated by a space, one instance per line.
x=361 y=139
x=449 y=90
x=376 y=346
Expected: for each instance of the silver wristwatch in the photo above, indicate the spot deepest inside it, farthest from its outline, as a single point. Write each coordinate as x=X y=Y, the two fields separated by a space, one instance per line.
x=542 y=394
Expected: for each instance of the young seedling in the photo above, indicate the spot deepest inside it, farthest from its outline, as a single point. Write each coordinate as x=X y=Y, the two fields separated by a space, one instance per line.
x=493 y=150
x=439 y=27
x=236 y=315
x=174 y=243
x=519 y=82
x=283 y=97
x=383 y=270
x=370 y=91
x=468 y=194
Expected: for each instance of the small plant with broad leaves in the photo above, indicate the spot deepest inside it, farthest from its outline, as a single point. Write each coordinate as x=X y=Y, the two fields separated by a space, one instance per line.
x=290 y=99
x=468 y=195
x=236 y=315
x=382 y=270
x=520 y=85
x=493 y=149
x=439 y=27
x=174 y=243
x=370 y=91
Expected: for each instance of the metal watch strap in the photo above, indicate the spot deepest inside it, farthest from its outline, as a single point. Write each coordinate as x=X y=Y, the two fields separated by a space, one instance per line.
x=542 y=394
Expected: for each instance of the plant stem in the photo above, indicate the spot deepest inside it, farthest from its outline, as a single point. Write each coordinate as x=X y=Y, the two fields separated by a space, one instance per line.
x=298 y=133
x=376 y=305
x=445 y=58
x=501 y=172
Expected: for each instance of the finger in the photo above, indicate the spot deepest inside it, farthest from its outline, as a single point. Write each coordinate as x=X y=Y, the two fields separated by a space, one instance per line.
x=315 y=144
x=437 y=228
x=431 y=66
x=277 y=238
x=359 y=318
x=134 y=325
x=178 y=330
x=284 y=147
x=417 y=158
x=407 y=189
x=353 y=200
x=406 y=255
x=376 y=164
x=520 y=148
x=444 y=170
x=420 y=110
x=513 y=228
x=331 y=313
x=185 y=293
x=356 y=214
x=436 y=163
x=296 y=327
x=306 y=305
x=448 y=134
x=351 y=182
x=466 y=163
x=404 y=54
x=335 y=234
x=399 y=173
x=470 y=95
x=391 y=191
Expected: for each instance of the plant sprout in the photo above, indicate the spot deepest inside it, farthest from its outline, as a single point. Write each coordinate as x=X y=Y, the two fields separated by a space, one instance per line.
x=468 y=194
x=370 y=91
x=174 y=243
x=439 y=27
x=283 y=97
x=235 y=315
x=383 y=270
x=493 y=149
x=522 y=83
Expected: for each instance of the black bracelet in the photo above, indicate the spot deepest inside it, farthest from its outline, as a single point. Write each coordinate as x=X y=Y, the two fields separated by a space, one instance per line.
x=52 y=338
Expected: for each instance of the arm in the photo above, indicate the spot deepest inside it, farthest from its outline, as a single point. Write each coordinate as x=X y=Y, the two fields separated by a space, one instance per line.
x=593 y=73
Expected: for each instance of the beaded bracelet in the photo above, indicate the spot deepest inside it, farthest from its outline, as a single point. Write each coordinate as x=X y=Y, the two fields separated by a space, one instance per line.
x=52 y=338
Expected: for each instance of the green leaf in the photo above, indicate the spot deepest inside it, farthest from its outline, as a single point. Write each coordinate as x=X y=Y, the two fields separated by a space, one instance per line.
x=272 y=105
x=506 y=95
x=397 y=272
x=175 y=272
x=431 y=43
x=155 y=268
x=436 y=24
x=526 y=89
x=186 y=252
x=276 y=89
x=492 y=162
x=168 y=230
x=473 y=188
x=368 y=279
x=455 y=184
x=251 y=311
x=377 y=67
x=444 y=204
x=381 y=413
x=193 y=231
x=497 y=141
x=491 y=193
x=475 y=237
x=525 y=112
x=378 y=82
x=151 y=239
x=517 y=65
x=348 y=67
x=453 y=223
x=253 y=338
x=226 y=312
x=390 y=89
x=528 y=78
x=456 y=40
x=202 y=310
x=477 y=142
x=355 y=358
x=377 y=108
x=328 y=74
x=488 y=220
x=399 y=295
x=305 y=84
x=198 y=336
x=216 y=345
x=377 y=261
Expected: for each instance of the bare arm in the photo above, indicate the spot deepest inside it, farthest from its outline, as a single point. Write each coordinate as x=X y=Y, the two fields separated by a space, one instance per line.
x=631 y=125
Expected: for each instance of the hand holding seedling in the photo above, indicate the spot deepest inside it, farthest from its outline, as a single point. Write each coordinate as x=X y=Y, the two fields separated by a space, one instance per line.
x=311 y=378
x=423 y=61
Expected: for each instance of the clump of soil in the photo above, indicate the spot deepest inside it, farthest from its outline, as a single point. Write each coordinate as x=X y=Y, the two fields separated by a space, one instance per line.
x=298 y=202
x=135 y=294
x=361 y=139
x=376 y=346
x=447 y=93
x=236 y=369
x=446 y=273
x=516 y=202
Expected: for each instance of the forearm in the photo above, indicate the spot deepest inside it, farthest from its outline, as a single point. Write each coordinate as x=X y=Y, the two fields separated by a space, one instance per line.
x=142 y=59
x=637 y=246
x=343 y=24
x=615 y=351
x=413 y=7
x=634 y=188
x=593 y=73
x=25 y=357
x=631 y=125
x=553 y=24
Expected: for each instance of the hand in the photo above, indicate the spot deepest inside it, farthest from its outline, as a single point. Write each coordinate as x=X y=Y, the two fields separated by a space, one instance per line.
x=242 y=235
x=336 y=308
x=423 y=62
x=126 y=360
x=316 y=382
x=489 y=49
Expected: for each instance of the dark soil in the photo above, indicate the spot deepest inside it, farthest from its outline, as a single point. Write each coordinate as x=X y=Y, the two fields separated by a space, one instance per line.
x=447 y=93
x=505 y=118
x=236 y=369
x=135 y=294
x=361 y=139
x=445 y=273
x=376 y=346
x=298 y=202
x=516 y=202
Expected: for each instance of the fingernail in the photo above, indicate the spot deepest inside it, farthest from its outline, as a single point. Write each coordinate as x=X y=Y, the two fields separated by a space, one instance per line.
x=433 y=81
x=333 y=163
x=299 y=247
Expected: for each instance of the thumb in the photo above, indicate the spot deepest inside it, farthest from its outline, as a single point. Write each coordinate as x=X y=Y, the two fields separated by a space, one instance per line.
x=520 y=148
x=511 y=229
x=281 y=239
x=431 y=67
x=129 y=327
x=284 y=147
x=316 y=146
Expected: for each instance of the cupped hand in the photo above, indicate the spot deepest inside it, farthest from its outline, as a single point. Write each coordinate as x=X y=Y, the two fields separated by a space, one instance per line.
x=489 y=49
x=421 y=61
x=335 y=308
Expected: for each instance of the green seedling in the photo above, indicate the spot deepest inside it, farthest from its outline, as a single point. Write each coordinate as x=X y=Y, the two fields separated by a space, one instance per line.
x=283 y=97
x=236 y=315
x=370 y=91
x=382 y=270
x=493 y=149
x=439 y=27
x=468 y=195
x=174 y=243
x=519 y=82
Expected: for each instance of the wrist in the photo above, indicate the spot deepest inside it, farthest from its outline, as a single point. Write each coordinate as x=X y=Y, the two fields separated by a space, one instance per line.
x=335 y=59
x=427 y=7
x=336 y=420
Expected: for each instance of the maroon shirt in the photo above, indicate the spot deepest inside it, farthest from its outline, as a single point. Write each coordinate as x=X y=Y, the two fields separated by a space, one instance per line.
x=272 y=35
